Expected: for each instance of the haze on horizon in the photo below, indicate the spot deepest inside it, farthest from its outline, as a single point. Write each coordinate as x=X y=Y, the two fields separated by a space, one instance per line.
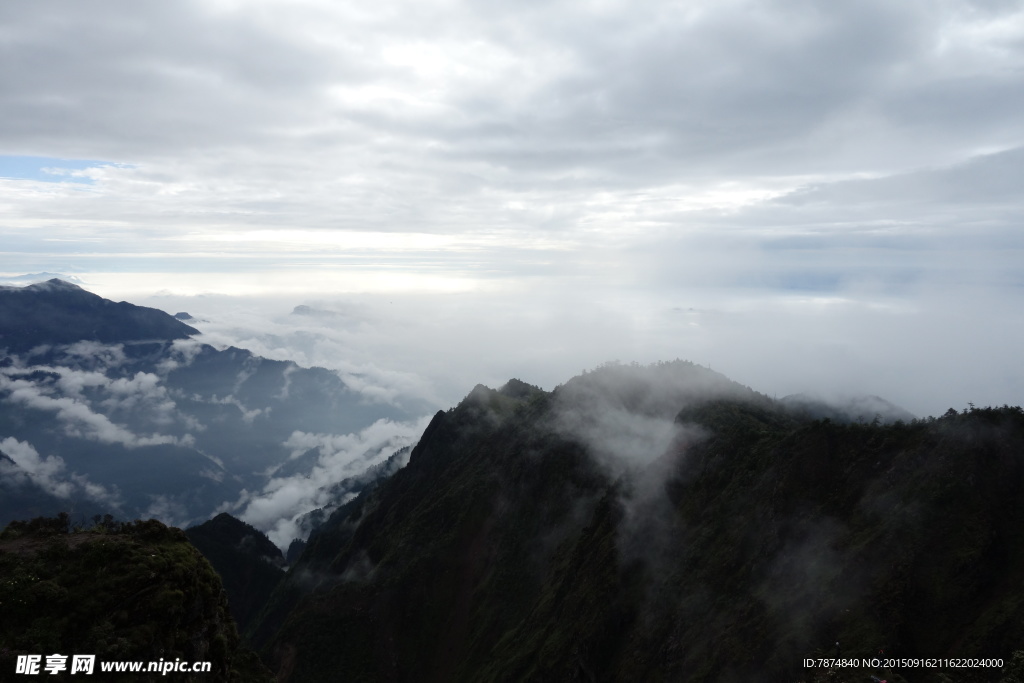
x=806 y=196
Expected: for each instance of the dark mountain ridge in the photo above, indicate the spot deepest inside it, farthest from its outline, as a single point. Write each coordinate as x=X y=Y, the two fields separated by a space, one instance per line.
x=574 y=535
x=58 y=312
x=249 y=565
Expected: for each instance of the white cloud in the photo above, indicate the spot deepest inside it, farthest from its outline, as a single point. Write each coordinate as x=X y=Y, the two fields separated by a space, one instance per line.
x=142 y=390
x=46 y=472
x=96 y=353
x=180 y=355
x=534 y=188
x=283 y=500
x=50 y=473
x=247 y=415
x=168 y=510
x=77 y=418
x=626 y=414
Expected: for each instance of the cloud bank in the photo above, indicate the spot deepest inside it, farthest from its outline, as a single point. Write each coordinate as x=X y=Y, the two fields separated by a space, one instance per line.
x=805 y=195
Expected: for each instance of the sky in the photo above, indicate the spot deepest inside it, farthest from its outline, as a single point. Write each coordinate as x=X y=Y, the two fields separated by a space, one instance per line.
x=806 y=196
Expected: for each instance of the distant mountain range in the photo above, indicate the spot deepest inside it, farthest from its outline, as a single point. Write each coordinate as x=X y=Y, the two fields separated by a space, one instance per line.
x=113 y=407
x=56 y=312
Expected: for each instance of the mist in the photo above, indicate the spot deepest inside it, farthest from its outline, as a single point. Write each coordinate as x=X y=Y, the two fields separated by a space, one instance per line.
x=50 y=473
x=279 y=507
x=924 y=351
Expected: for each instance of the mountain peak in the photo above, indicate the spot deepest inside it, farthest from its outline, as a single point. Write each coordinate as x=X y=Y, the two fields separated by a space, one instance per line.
x=54 y=284
x=37 y=278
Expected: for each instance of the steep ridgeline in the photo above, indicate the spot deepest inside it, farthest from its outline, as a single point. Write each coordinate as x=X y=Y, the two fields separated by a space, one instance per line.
x=664 y=524
x=249 y=565
x=113 y=407
x=340 y=493
x=123 y=592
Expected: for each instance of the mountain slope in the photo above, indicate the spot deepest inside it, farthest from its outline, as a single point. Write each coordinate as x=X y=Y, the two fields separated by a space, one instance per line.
x=249 y=565
x=849 y=409
x=58 y=312
x=582 y=535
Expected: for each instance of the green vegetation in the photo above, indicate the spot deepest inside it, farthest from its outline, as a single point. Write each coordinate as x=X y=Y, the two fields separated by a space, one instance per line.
x=121 y=591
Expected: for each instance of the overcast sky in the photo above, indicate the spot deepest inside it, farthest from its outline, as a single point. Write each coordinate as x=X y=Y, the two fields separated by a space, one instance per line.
x=808 y=196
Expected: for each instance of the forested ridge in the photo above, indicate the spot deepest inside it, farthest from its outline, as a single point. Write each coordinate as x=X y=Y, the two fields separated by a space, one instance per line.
x=515 y=547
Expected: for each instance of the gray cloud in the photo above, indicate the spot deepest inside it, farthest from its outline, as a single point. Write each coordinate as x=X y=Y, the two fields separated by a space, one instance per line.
x=801 y=193
x=455 y=99
x=180 y=354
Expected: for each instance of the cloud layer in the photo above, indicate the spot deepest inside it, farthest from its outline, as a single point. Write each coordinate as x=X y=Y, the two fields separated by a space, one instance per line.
x=783 y=188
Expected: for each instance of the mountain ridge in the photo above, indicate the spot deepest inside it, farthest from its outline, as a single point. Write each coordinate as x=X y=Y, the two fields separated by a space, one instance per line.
x=514 y=546
x=58 y=312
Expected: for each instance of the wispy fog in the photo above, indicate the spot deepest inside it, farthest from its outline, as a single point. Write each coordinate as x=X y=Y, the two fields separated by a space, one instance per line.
x=51 y=474
x=279 y=506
